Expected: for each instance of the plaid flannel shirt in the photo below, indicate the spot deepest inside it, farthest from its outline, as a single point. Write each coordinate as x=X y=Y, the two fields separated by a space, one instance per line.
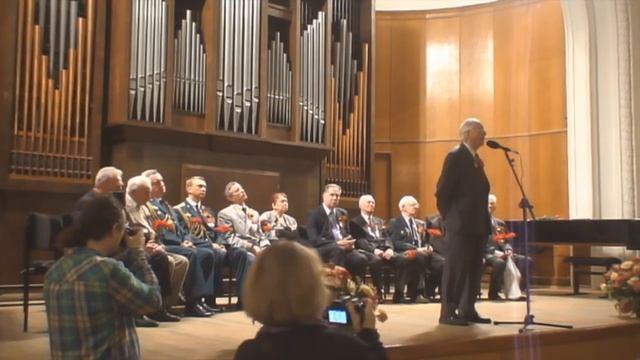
x=91 y=301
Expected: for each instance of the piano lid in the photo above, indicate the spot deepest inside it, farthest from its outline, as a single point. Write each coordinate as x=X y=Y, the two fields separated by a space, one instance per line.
x=610 y=232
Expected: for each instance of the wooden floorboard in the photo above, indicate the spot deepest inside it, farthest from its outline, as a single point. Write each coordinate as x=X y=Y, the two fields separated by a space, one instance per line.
x=412 y=331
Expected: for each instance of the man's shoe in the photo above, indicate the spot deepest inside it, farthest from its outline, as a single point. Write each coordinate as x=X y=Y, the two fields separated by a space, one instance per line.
x=420 y=300
x=211 y=309
x=174 y=313
x=163 y=316
x=477 y=319
x=453 y=320
x=495 y=297
x=143 y=321
x=195 y=310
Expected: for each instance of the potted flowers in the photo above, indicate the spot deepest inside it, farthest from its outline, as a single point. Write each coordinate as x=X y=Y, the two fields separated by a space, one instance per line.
x=622 y=283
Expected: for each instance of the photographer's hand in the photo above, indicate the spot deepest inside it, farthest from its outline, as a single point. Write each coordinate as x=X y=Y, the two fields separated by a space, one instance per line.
x=136 y=241
x=366 y=320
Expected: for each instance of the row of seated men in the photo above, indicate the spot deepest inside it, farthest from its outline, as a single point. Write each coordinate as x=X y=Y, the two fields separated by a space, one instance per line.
x=188 y=245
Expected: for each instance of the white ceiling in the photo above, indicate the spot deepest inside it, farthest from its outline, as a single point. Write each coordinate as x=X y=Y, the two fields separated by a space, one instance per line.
x=407 y=5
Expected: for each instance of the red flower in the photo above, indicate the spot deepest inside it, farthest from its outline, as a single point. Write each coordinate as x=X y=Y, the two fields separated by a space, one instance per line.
x=502 y=237
x=434 y=232
x=266 y=226
x=411 y=254
x=196 y=220
x=223 y=228
x=163 y=224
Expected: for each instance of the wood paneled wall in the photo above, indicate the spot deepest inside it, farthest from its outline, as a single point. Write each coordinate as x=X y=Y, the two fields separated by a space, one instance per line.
x=502 y=63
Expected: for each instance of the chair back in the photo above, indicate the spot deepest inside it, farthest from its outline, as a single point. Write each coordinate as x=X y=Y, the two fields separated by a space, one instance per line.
x=42 y=229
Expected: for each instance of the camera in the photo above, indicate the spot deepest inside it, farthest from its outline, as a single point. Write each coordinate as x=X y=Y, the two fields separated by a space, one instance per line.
x=338 y=314
x=130 y=230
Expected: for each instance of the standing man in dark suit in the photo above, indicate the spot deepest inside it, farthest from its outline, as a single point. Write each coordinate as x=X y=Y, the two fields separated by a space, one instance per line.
x=373 y=242
x=461 y=194
x=328 y=232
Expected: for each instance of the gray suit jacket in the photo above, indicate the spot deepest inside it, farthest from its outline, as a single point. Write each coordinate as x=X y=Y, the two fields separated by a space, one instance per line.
x=246 y=229
x=287 y=223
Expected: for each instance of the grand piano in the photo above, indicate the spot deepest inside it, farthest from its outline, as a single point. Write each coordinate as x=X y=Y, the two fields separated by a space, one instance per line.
x=614 y=232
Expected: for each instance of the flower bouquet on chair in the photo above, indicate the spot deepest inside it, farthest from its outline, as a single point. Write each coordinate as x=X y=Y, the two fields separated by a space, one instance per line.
x=622 y=283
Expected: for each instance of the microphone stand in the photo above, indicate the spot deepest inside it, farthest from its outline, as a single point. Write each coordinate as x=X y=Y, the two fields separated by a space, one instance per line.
x=526 y=206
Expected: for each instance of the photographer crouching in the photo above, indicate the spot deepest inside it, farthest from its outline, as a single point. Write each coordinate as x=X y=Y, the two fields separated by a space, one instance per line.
x=285 y=292
x=91 y=298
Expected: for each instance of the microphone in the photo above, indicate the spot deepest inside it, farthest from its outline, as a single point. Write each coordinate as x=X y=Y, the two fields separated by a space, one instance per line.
x=494 y=145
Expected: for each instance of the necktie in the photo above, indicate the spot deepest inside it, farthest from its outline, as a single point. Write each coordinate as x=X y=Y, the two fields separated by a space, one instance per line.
x=335 y=230
x=414 y=234
x=479 y=163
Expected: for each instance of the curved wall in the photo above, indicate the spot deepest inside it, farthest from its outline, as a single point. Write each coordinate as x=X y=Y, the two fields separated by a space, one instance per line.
x=503 y=63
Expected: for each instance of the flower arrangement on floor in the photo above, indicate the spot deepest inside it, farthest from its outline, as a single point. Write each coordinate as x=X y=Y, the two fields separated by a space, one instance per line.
x=622 y=283
x=339 y=280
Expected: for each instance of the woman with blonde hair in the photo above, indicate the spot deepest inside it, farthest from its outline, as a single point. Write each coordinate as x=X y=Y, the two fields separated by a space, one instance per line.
x=284 y=291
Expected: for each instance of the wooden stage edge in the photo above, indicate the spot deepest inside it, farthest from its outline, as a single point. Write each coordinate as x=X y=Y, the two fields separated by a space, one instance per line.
x=412 y=333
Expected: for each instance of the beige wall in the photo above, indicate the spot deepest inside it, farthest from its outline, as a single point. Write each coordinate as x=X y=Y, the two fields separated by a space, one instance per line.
x=501 y=62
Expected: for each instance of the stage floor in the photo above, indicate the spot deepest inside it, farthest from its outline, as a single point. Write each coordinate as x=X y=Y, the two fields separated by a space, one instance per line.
x=412 y=331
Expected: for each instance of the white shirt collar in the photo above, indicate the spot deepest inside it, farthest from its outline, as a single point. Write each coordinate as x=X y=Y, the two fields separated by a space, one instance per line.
x=406 y=219
x=473 y=152
x=193 y=203
x=326 y=209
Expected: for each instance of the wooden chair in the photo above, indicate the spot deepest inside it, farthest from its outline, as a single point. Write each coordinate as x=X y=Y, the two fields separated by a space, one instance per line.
x=41 y=231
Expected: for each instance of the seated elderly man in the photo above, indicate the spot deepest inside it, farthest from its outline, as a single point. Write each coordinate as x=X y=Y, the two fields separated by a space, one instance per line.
x=243 y=220
x=409 y=236
x=108 y=180
x=170 y=268
x=277 y=220
x=328 y=232
x=373 y=242
x=498 y=251
x=166 y=224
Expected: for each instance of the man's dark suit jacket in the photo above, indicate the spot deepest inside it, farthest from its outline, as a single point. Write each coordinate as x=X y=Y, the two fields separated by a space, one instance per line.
x=462 y=194
x=319 y=228
x=364 y=239
x=401 y=236
x=493 y=245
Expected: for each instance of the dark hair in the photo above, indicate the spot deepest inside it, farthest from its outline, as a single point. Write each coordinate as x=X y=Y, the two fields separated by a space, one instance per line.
x=95 y=221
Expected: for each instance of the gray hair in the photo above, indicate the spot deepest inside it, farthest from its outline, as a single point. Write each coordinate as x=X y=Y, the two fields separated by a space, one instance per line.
x=492 y=197
x=107 y=173
x=365 y=198
x=227 y=188
x=150 y=172
x=405 y=200
x=137 y=182
x=329 y=186
x=467 y=125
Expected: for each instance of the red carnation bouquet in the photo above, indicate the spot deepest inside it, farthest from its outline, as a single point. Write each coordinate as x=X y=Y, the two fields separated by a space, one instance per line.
x=266 y=226
x=410 y=254
x=222 y=228
x=163 y=224
x=434 y=232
